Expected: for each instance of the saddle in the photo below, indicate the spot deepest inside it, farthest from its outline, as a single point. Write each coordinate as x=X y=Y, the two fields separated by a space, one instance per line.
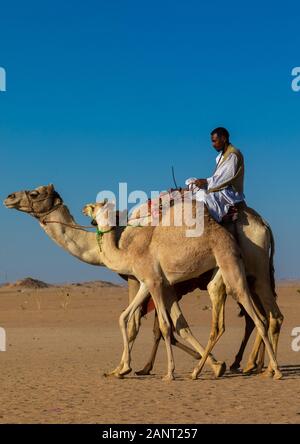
x=154 y=208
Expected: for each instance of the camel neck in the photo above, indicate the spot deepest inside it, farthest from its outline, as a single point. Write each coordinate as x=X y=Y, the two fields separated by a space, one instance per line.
x=113 y=257
x=81 y=244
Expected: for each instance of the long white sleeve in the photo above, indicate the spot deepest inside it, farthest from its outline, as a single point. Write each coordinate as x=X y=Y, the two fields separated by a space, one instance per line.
x=226 y=171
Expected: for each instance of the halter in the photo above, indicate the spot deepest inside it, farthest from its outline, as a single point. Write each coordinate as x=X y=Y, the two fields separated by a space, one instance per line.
x=100 y=234
x=41 y=216
x=44 y=214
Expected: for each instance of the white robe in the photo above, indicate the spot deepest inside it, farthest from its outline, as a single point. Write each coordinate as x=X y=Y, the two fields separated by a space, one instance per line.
x=218 y=202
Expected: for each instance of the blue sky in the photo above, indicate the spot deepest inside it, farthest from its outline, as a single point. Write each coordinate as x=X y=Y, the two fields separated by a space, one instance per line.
x=101 y=92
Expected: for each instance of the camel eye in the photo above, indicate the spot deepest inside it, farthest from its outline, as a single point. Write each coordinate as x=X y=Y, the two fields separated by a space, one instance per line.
x=33 y=194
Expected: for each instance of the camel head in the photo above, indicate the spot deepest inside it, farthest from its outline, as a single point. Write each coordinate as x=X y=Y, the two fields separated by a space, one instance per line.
x=38 y=202
x=101 y=213
x=90 y=211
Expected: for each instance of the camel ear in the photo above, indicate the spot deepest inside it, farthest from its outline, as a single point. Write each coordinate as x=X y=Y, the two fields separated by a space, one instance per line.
x=57 y=199
x=50 y=188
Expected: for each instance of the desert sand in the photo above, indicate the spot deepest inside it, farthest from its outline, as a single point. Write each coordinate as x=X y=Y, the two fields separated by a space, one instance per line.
x=60 y=341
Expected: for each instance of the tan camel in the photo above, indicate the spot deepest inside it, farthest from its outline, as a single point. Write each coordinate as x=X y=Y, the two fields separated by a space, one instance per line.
x=256 y=239
x=44 y=203
x=159 y=258
x=47 y=206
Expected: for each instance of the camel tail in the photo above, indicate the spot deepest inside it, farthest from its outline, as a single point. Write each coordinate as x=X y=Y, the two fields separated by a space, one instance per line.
x=271 y=263
x=271 y=267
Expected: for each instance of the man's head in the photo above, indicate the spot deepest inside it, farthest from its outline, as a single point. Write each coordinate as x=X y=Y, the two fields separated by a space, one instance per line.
x=220 y=138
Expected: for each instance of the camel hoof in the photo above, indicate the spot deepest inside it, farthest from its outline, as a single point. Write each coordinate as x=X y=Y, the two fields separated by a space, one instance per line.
x=278 y=375
x=249 y=369
x=168 y=378
x=145 y=371
x=219 y=369
x=118 y=376
x=235 y=367
x=194 y=376
x=125 y=371
x=267 y=374
x=259 y=369
x=114 y=375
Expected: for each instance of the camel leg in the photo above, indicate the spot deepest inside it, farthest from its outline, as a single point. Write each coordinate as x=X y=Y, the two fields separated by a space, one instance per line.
x=133 y=323
x=254 y=363
x=249 y=327
x=262 y=331
x=157 y=293
x=246 y=302
x=182 y=328
x=157 y=337
x=261 y=357
x=269 y=305
x=217 y=294
x=184 y=348
x=274 y=331
x=133 y=326
x=256 y=359
x=127 y=314
x=234 y=277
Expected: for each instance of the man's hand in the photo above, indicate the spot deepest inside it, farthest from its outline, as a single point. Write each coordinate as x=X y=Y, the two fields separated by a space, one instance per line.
x=201 y=183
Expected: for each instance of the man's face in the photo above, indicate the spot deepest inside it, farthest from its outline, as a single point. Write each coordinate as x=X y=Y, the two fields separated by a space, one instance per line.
x=218 y=142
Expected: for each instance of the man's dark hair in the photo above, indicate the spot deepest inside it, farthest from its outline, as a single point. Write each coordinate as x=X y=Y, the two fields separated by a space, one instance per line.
x=220 y=131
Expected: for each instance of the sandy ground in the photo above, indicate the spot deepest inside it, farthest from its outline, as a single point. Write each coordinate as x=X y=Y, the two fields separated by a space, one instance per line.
x=57 y=352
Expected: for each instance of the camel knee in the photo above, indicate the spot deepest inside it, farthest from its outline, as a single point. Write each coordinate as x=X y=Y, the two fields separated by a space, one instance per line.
x=122 y=320
x=221 y=330
x=263 y=326
x=184 y=333
x=156 y=333
x=216 y=288
x=155 y=284
x=165 y=329
x=233 y=291
x=216 y=332
x=275 y=324
x=132 y=330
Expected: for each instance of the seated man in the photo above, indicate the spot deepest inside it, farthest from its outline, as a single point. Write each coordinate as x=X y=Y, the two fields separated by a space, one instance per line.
x=225 y=188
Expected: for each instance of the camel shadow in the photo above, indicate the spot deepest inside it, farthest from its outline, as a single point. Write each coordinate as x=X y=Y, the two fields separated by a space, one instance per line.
x=290 y=371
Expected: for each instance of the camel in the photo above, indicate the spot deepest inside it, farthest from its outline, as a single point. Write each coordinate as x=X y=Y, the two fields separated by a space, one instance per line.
x=162 y=257
x=46 y=205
